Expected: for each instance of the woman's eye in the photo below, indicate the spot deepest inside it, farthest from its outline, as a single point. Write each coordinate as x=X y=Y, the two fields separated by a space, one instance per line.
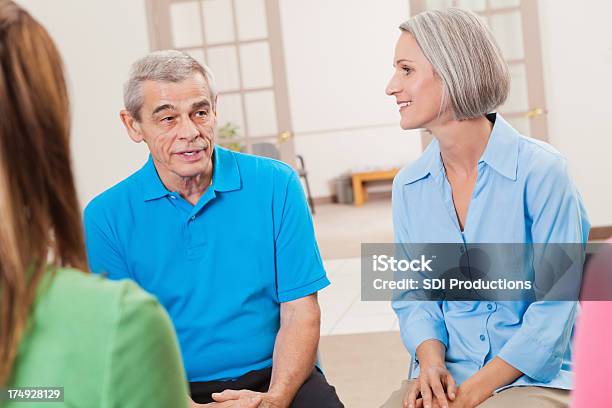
x=407 y=70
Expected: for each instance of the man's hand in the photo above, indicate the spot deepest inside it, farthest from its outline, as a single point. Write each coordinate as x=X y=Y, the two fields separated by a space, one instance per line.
x=233 y=399
x=249 y=399
x=211 y=405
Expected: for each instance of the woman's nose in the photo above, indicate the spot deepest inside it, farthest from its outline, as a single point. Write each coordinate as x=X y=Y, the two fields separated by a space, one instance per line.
x=392 y=87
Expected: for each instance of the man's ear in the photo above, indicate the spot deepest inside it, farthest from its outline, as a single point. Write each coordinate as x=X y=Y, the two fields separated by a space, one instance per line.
x=132 y=126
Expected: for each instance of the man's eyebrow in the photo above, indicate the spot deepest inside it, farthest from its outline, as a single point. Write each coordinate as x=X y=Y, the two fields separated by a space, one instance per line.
x=201 y=104
x=163 y=107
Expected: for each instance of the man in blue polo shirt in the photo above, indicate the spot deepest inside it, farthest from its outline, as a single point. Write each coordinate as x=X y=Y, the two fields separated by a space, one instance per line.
x=224 y=240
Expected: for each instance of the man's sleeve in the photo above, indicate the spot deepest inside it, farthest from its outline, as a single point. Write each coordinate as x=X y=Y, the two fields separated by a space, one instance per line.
x=103 y=254
x=558 y=216
x=299 y=268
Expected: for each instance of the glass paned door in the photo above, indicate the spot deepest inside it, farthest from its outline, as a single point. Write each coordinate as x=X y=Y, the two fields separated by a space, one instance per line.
x=240 y=40
x=515 y=26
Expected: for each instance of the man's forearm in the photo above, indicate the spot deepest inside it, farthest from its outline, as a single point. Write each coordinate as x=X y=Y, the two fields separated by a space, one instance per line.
x=295 y=352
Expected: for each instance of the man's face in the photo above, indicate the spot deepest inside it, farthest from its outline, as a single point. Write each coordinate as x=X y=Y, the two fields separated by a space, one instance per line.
x=178 y=124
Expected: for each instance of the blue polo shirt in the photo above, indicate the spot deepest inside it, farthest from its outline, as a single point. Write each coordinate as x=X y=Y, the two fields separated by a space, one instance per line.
x=221 y=268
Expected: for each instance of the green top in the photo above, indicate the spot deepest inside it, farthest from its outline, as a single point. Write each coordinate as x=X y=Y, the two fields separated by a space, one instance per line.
x=108 y=343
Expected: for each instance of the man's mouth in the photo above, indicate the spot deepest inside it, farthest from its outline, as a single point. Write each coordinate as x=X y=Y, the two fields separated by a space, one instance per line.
x=192 y=154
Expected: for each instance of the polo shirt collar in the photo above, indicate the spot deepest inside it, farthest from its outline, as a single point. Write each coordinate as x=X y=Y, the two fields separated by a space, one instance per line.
x=151 y=184
x=226 y=175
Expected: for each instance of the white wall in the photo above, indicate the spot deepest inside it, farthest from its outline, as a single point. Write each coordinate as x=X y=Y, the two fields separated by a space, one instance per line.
x=339 y=57
x=577 y=54
x=98 y=41
x=338 y=61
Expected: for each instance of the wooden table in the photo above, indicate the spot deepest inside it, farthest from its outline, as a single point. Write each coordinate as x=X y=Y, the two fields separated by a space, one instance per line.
x=359 y=192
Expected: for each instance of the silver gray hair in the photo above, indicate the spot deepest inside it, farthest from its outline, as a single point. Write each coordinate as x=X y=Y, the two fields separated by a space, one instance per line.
x=466 y=57
x=162 y=66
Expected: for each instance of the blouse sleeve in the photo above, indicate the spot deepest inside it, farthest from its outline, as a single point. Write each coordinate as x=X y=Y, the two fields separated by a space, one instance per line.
x=557 y=215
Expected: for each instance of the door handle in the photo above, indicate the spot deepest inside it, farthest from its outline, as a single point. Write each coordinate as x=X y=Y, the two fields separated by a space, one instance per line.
x=284 y=136
x=535 y=112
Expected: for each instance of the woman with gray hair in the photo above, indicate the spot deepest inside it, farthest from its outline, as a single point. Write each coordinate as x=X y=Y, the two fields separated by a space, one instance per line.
x=449 y=78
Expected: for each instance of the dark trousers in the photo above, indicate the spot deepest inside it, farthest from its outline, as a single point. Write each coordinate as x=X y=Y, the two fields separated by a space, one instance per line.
x=314 y=393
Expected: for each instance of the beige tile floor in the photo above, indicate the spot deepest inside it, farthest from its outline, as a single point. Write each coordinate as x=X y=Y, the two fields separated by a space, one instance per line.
x=360 y=349
x=365 y=368
x=343 y=311
x=342 y=228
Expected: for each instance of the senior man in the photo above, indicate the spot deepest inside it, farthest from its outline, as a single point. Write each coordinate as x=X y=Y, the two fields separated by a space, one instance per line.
x=224 y=240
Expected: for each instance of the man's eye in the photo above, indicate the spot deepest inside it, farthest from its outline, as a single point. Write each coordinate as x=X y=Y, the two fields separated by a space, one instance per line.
x=201 y=114
x=167 y=119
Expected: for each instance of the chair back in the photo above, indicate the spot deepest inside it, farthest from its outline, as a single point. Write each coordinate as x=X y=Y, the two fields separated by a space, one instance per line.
x=266 y=150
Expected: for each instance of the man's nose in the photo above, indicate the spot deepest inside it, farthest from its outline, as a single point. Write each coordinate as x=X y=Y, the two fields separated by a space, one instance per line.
x=188 y=130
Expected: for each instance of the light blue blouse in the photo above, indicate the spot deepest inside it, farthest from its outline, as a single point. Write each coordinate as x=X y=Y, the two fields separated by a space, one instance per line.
x=523 y=194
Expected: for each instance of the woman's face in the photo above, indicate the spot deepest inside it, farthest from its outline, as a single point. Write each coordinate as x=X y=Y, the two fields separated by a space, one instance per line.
x=415 y=85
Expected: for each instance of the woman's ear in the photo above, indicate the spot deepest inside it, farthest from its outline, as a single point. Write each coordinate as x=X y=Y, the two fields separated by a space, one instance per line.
x=132 y=126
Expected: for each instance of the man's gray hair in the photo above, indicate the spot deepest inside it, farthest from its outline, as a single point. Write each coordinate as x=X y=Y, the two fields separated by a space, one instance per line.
x=162 y=66
x=464 y=54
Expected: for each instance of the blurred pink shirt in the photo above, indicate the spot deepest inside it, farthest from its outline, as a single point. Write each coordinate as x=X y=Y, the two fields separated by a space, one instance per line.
x=593 y=346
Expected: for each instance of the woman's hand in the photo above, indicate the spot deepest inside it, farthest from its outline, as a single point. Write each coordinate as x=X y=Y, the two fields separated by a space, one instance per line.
x=435 y=386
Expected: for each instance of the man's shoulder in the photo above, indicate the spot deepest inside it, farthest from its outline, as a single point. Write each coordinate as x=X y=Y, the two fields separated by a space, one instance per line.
x=252 y=165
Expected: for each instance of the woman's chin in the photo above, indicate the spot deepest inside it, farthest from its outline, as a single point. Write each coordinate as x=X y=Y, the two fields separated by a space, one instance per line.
x=408 y=125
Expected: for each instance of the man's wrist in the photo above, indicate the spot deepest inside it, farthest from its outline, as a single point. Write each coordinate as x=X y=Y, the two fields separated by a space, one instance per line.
x=277 y=398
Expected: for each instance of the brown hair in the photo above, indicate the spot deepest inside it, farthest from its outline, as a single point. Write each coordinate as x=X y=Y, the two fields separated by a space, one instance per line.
x=41 y=220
